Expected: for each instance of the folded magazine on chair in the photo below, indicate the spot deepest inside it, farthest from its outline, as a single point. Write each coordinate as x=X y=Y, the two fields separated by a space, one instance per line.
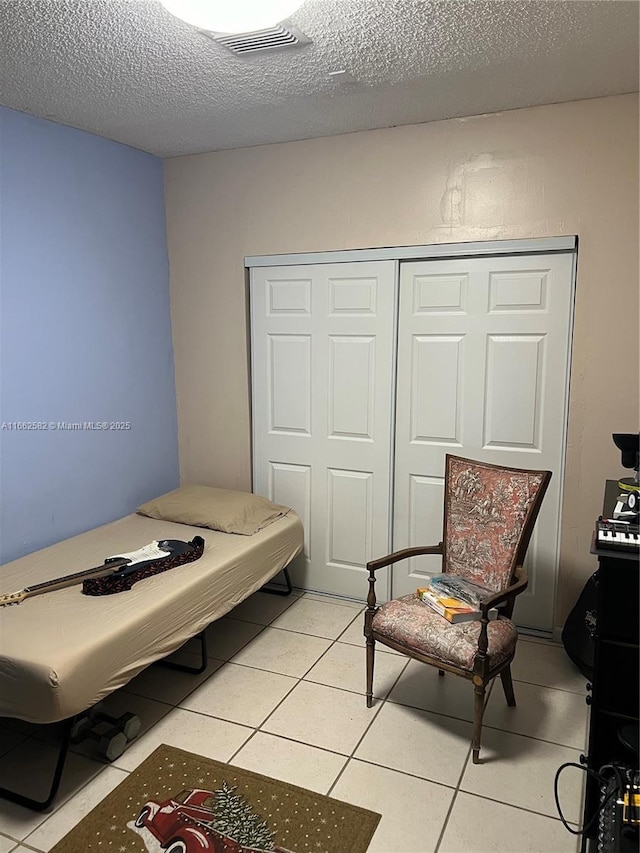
x=456 y=598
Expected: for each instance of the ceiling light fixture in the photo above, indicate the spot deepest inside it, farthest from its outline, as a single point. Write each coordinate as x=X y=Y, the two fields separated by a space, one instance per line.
x=231 y=16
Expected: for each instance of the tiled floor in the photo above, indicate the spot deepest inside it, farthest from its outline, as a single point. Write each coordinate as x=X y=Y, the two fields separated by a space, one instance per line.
x=284 y=696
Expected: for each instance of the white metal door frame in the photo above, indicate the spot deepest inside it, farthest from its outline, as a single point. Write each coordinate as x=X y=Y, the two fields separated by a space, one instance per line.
x=536 y=245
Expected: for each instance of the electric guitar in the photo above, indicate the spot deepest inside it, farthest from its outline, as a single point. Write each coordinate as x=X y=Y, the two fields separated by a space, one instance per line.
x=120 y=572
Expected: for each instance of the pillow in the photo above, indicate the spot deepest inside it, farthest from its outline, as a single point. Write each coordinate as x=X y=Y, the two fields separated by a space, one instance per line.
x=218 y=509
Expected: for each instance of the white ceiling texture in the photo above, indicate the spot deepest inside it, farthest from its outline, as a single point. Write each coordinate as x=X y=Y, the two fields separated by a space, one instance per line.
x=130 y=71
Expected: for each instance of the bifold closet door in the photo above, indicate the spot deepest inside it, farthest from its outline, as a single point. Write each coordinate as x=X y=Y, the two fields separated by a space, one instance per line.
x=323 y=359
x=483 y=355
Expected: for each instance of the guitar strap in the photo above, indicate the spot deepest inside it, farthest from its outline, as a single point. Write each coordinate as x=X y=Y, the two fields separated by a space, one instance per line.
x=180 y=554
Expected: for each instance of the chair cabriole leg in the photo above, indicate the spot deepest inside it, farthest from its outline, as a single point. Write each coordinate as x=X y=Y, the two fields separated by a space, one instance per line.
x=507 y=686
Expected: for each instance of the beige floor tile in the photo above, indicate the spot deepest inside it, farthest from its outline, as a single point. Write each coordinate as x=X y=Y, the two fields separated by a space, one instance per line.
x=417 y=742
x=227 y=636
x=413 y=810
x=15 y=725
x=240 y=694
x=290 y=761
x=170 y=685
x=421 y=687
x=48 y=732
x=262 y=608
x=547 y=664
x=519 y=771
x=10 y=738
x=7 y=844
x=208 y=736
x=67 y=816
x=355 y=637
x=17 y=731
x=321 y=716
x=283 y=651
x=28 y=770
x=345 y=666
x=317 y=617
x=558 y=716
x=353 y=634
x=483 y=826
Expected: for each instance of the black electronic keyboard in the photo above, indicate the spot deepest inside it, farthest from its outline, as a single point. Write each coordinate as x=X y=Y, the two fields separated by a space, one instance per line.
x=617 y=535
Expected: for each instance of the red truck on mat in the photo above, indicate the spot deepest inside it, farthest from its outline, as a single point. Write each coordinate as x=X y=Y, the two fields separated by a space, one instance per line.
x=183 y=824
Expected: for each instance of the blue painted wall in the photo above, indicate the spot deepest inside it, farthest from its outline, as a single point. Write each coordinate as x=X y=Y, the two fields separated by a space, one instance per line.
x=85 y=333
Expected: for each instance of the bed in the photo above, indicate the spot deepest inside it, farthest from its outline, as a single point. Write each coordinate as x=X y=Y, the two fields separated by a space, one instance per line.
x=62 y=652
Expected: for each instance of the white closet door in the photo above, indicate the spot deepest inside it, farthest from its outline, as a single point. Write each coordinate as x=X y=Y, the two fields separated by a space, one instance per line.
x=483 y=354
x=323 y=362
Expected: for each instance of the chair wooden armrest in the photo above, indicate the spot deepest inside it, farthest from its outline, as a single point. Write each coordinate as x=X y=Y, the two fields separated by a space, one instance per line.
x=374 y=565
x=508 y=594
x=390 y=559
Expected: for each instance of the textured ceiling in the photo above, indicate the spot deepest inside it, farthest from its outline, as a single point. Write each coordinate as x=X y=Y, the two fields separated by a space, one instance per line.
x=129 y=71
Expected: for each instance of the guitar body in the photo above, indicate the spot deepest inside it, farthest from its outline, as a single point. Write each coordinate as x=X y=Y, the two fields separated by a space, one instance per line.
x=124 y=578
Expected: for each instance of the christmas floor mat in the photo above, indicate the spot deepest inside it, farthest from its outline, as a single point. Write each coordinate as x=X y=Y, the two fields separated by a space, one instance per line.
x=178 y=802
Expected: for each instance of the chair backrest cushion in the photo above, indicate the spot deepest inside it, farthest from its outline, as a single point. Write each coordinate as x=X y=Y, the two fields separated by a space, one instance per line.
x=486 y=515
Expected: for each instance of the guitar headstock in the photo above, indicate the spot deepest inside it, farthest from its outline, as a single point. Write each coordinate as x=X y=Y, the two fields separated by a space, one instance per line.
x=13 y=598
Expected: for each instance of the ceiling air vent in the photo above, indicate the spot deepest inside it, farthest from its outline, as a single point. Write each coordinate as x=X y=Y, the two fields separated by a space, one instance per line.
x=274 y=37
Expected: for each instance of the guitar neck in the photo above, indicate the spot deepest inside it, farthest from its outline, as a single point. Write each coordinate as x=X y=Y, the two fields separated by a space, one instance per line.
x=122 y=564
x=107 y=568
x=70 y=580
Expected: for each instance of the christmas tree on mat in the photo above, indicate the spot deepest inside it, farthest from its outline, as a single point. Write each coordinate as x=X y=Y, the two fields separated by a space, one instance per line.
x=236 y=819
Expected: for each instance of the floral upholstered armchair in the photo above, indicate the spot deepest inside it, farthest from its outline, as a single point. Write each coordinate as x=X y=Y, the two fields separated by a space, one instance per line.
x=489 y=514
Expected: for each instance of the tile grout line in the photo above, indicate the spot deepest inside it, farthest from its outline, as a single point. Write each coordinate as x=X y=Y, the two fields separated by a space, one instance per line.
x=299 y=679
x=465 y=764
x=303 y=676
x=74 y=793
x=253 y=730
x=383 y=700
x=514 y=806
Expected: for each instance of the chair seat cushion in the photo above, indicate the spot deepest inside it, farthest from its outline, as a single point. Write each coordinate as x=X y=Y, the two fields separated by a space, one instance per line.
x=413 y=624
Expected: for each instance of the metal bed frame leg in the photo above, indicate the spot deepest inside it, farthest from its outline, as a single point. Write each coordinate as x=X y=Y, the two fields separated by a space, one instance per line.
x=286 y=591
x=184 y=667
x=41 y=805
x=202 y=636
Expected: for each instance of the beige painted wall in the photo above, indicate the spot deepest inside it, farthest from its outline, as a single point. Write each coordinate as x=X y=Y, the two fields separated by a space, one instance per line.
x=556 y=170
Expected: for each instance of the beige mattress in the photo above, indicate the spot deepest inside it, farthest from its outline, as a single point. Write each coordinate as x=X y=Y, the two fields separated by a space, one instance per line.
x=62 y=651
